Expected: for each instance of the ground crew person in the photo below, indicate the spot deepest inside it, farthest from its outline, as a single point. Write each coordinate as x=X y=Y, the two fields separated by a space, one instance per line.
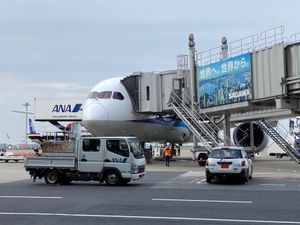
x=167 y=155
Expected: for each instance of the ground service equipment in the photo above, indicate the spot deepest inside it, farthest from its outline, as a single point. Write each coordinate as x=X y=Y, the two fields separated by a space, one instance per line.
x=114 y=160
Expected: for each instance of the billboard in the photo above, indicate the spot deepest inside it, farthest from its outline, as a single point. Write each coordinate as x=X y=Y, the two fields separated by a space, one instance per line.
x=225 y=82
x=58 y=109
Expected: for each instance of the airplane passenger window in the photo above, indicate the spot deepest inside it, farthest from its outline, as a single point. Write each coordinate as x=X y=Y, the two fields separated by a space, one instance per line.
x=105 y=94
x=93 y=94
x=118 y=95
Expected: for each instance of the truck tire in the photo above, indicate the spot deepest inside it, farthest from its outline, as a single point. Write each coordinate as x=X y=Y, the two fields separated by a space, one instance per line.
x=112 y=178
x=202 y=157
x=52 y=177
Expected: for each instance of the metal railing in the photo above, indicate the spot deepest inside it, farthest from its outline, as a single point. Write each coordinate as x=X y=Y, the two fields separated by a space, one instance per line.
x=197 y=121
x=280 y=135
x=250 y=43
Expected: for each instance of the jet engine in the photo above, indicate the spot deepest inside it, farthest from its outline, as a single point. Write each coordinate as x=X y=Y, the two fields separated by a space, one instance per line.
x=241 y=136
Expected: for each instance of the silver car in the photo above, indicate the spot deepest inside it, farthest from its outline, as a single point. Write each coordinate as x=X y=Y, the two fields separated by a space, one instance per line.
x=229 y=161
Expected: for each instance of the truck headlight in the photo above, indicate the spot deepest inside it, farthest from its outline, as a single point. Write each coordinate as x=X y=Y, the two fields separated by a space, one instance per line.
x=134 y=169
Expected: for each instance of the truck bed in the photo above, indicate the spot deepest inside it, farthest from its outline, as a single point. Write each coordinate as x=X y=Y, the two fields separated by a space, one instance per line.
x=46 y=162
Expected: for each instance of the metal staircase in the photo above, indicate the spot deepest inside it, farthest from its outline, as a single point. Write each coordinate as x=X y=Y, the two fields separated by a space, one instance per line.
x=280 y=136
x=206 y=131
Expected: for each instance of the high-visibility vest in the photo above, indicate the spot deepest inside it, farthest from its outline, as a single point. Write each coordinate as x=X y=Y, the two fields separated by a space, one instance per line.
x=167 y=151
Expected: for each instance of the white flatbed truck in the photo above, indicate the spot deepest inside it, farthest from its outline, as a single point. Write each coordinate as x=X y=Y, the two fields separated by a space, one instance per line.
x=114 y=160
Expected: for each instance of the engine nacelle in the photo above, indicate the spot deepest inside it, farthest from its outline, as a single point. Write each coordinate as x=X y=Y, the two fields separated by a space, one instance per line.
x=241 y=136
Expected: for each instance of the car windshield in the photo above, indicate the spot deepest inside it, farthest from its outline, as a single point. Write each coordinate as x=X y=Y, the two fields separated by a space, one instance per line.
x=135 y=148
x=226 y=153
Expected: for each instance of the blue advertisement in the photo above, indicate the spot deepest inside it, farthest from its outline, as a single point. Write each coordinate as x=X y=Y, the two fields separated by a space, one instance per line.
x=227 y=81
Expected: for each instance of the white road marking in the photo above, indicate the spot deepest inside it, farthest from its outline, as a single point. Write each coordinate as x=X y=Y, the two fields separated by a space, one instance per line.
x=193 y=181
x=152 y=217
x=278 y=185
x=199 y=182
x=30 y=197
x=200 y=200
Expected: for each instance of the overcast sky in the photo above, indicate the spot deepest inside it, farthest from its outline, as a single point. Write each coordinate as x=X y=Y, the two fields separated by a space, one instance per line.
x=62 y=48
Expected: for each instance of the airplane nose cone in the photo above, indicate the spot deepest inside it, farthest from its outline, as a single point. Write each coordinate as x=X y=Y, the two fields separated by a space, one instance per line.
x=94 y=111
x=95 y=117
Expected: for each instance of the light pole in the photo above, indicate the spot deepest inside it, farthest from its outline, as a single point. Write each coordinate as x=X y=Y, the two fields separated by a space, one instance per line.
x=26 y=104
x=26 y=123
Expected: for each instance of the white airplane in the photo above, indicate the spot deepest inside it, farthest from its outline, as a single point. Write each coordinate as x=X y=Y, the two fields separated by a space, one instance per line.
x=108 y=111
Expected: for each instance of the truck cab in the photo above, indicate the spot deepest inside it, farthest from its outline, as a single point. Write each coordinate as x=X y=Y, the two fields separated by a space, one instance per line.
x=114 y=160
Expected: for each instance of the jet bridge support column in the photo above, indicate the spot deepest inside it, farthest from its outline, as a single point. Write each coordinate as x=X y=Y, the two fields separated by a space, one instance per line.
x=226 y=124
x=192 y=78
x=252 y=138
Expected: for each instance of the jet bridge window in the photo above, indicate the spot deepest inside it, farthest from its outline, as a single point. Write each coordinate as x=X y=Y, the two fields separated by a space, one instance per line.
x=91 y=145
x=119 y=147
x=148 y=93
x=105 y=94
x=118 y=95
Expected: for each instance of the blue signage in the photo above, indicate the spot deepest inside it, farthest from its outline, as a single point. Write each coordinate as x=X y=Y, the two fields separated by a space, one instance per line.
x=67 y=108
x=227 y=81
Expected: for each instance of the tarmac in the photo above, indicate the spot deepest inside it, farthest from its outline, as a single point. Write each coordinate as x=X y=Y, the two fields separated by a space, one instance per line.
x=263 y=166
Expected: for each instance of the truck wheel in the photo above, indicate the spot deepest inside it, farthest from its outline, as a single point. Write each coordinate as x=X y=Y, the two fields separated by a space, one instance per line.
x=202 y=157
x=51 y=177
x=112 y=178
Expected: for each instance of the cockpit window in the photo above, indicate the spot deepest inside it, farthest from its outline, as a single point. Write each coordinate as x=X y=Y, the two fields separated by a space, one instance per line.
x=93 y=94
x=105 y=94
x=118 y=95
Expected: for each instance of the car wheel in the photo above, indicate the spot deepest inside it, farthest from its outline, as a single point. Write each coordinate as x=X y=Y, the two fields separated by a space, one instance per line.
x=245 y=179
x=208 y=180
x=251 y=175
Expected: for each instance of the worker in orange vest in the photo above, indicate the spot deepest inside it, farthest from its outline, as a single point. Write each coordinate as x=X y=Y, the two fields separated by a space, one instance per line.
x=167 y=155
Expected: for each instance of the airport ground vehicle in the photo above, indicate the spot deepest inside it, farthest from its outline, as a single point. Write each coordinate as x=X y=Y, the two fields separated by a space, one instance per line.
x=115 y=160
x=229 y=161
x=15 y=155
x=202 y=154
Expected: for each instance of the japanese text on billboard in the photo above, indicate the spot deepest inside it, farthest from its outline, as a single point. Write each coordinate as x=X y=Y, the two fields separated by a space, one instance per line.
x=227 y=81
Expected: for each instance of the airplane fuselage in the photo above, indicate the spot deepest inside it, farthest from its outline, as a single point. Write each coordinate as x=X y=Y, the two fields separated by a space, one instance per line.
x=108 y=111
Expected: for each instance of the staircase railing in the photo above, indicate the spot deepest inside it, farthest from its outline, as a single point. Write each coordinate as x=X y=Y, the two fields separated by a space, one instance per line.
x=197 y=121
x=279 y=135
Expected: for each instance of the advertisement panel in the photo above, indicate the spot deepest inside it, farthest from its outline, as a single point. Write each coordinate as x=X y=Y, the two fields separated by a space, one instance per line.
x=58 y=109
x=225 y=82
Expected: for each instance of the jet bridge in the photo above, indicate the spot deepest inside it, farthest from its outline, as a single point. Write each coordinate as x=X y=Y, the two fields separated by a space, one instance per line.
x=254 y=78
x=261 y=72
x=150 y=91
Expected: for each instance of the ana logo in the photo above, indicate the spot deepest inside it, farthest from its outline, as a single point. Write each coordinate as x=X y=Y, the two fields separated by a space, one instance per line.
x=66 y=108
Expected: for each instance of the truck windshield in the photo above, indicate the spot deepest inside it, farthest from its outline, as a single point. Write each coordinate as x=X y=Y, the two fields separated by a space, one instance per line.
x=135 y=148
